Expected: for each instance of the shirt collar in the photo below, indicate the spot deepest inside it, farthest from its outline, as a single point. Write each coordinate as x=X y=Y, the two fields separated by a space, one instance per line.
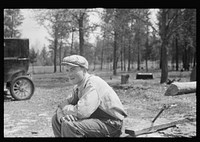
x=83 y=82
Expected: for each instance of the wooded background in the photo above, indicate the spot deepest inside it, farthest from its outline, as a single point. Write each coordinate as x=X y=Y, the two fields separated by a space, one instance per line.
x=127 y=36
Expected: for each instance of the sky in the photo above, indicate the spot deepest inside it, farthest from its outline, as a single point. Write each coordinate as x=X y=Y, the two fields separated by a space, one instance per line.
x=33 y=31
x=37 y=34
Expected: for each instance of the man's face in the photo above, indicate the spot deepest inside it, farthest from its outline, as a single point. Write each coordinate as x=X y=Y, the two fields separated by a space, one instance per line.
x=75 y=74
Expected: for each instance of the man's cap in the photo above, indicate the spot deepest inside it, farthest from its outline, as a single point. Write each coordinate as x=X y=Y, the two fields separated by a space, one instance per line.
x=75 y=60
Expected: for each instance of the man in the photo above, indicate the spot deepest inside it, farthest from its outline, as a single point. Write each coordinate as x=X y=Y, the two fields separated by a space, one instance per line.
x=92 y=110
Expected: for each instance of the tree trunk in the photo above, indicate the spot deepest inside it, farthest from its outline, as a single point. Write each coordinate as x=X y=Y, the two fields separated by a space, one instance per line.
x=194 y=60
x=60 y=54
x=94 y=61
x=173 y=54
x=146 y=58
x=146 y=62
x=147 y=49
x=164 y=63
x=55 y=50
x=33 y=68
x=65 y=52
x=138 y=60
x=81 y=36
x=72 y=41
x=102 y=55
x=115 y=54
x=129 y=55
x=160 y=65
x=185 y=57
x=124 y=54
x=193 y=74
x=121 y=55
x=176 y=44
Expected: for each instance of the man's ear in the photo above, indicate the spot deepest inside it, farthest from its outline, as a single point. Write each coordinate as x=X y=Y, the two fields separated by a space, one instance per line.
x=84 y=70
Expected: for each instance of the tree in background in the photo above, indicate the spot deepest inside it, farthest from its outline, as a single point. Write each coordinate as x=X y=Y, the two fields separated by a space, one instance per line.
x=188 y=33
x=127 y=35
x=80 y=18
x=43 y=56
x=127 y=29
x=12 y=20
x=168 y=27
x=113 y=21
x=33 y=57
x=57 y=23
x=60 y=23
x=140 y=33
x=80 y=22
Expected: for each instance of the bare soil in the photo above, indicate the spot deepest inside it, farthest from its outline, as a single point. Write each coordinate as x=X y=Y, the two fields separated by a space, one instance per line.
x=142 y=100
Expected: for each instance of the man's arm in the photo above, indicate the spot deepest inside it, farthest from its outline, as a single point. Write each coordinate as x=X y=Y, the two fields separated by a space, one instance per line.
x=70 y=99
x=86 y=105
x=66 y=102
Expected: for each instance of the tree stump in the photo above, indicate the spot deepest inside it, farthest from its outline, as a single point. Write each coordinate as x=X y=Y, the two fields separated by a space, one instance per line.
x=144 y=76
x=180 y=88
x=124 y=79
x=193 y=74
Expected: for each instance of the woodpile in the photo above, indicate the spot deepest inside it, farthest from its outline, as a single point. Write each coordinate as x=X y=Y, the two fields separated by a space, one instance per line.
x=156 y=128
x=144 y=76
x=180 y=88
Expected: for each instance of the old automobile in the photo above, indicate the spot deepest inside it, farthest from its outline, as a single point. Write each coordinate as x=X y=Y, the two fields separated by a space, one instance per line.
x=16 y=64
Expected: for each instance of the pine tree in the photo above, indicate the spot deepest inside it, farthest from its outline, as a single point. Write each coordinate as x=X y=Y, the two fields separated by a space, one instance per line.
x=12 y=20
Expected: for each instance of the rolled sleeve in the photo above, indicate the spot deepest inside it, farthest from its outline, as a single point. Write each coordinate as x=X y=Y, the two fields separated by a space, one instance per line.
x=71 y=99
x=86 y=105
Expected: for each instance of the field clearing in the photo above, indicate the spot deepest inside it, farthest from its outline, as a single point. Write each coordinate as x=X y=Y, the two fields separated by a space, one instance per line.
x=142 y=100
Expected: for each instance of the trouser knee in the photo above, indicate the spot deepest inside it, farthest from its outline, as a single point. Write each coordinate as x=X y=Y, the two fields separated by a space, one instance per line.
x=56 y=126
x=54 y=119
x=70 y=130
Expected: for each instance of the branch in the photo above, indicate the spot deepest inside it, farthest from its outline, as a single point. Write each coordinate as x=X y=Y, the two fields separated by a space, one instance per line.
x=148 y=23
x=92 y=27
x=172 y=19
x=179 y=26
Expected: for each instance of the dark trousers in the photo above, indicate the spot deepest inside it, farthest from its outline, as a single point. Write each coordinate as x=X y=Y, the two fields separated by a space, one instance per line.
x=91 y=127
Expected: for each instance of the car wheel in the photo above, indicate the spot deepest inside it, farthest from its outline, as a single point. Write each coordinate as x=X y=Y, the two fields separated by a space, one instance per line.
x=22 y=88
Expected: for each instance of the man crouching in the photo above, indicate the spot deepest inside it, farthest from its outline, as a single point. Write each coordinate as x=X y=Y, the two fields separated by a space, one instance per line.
x=92 y=110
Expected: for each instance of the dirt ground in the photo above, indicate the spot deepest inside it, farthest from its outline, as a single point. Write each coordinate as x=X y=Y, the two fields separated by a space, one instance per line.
x=142 y=100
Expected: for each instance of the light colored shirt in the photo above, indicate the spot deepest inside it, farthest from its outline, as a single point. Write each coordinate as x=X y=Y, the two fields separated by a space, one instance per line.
x=92 y=93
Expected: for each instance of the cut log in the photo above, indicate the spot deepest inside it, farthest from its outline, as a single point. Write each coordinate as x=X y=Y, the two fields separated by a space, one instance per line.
x=144 y=76
x=180 y=88
x=156 y=128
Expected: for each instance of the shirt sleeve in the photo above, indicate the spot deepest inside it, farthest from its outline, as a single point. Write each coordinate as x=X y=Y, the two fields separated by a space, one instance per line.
x=71 y=99
x=86 y=105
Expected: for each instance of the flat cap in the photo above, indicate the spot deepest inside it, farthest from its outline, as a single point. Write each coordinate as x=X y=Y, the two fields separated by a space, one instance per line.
x=75 y=60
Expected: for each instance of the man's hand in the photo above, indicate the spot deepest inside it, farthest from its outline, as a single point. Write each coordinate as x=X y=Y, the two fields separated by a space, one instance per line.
x=61 y=117
x=69 y=118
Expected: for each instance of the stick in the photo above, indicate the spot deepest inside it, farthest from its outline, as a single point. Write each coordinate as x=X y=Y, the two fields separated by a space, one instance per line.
x=157 y=127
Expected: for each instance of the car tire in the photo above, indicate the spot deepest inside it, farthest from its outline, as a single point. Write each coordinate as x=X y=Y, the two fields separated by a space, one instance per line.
x=22 y=88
